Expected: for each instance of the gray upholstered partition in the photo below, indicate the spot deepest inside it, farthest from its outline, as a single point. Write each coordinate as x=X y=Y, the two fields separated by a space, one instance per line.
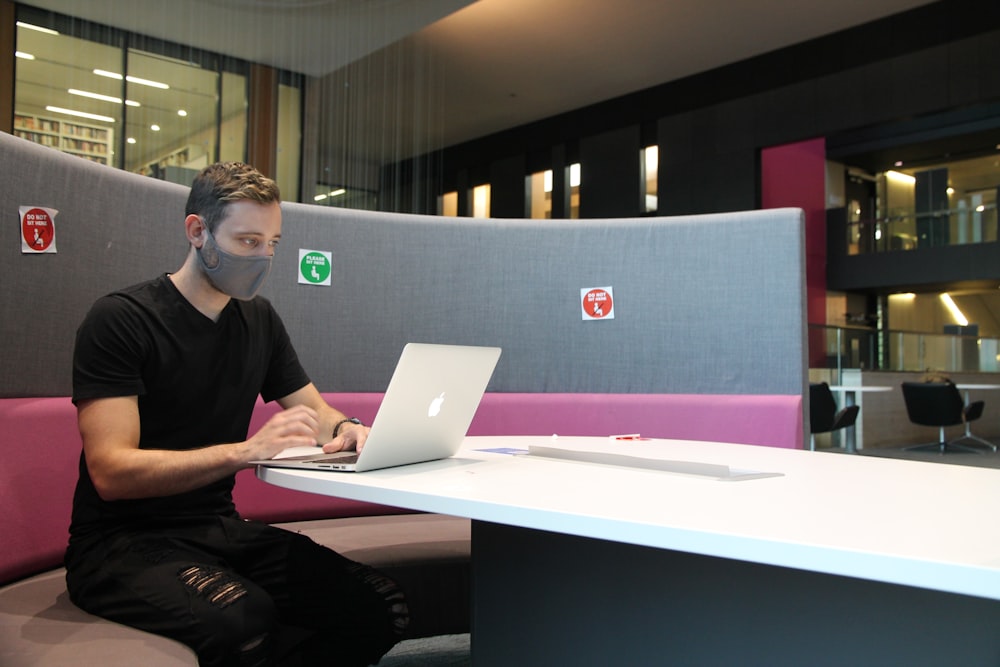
x=113 y=229
x=703 y=304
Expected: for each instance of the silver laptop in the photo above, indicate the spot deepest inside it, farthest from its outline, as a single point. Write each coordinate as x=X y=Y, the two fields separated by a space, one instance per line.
x=425 y=413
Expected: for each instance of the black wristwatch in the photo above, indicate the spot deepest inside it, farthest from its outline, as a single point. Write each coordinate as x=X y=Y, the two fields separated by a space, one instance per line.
x=350 y=420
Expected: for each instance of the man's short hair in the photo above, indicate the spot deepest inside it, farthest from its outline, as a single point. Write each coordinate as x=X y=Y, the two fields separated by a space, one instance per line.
x=223 y=182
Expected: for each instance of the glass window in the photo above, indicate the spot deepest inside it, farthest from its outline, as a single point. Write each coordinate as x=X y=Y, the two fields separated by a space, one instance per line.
x=172 y=127
x=448 y=204
x=130 y=101
x=573 y=191
x=59 y=101
x=289 y=140
x=538 y=188
x=481 y=201
x=233 y=126
x=649 y=163
x=335 y=195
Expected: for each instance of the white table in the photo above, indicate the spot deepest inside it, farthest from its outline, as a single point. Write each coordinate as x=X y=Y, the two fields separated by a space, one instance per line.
x=849 y=392
x=586 y=564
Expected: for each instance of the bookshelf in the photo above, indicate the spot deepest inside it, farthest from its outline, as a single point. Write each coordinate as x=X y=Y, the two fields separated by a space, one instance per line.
x=92 y=142
x=184 y=158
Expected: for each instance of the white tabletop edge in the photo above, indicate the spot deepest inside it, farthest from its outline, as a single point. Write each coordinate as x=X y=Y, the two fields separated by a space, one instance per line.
x=979 y=578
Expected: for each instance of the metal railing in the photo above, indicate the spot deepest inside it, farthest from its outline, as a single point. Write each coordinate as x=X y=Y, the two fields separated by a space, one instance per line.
x=910 y=231
x=842 y=348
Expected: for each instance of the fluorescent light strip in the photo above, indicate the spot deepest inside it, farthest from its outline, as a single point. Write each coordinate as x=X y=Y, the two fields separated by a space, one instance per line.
x=36 y=28
x=147 y=82
x=132 y=79
x=81 y=114
x=899 y=176
x=95 y=96
x=103 y=98
x=23 y=55
x=953 y=309
x=106 y=73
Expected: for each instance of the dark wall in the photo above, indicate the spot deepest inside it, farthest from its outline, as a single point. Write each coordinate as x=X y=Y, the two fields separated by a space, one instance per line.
x=711 y=127
x=507 y=187
x=610 y=182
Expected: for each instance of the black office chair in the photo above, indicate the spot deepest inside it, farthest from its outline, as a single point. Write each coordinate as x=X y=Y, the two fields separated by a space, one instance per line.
x=941 y=404
x=823 y=414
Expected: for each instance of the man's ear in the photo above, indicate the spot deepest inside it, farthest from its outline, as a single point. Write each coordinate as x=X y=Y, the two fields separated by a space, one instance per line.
x=194 y=229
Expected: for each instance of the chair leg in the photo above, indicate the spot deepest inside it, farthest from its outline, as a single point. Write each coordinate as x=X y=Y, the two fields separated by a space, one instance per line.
x=968 y=436
x=942 y=446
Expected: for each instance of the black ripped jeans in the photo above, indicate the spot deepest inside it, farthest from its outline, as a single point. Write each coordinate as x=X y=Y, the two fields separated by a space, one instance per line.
x=239 y=593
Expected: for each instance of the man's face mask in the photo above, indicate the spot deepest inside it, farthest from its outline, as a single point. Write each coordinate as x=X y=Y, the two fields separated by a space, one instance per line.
x=236 y=275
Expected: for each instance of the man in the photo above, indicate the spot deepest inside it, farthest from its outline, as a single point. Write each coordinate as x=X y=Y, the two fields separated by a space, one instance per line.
x=165 y=376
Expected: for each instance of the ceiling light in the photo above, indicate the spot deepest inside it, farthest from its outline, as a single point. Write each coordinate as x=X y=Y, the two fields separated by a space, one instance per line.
x=319 y=197
x=36 y=28
x=81 y=114
x=131 y=79
x=147 y=82
x=898 y=163
x=154 y=127
x=95 y=96
x=182 y=113
x=106 y=73
x=23 y=55
x=130 y=140
x=337 y=193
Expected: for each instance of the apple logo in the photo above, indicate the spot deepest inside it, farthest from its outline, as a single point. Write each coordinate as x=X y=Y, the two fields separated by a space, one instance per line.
x=435 y=407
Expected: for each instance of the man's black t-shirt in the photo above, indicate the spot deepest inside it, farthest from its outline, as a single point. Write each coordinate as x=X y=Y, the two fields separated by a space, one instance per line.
x=196 y=380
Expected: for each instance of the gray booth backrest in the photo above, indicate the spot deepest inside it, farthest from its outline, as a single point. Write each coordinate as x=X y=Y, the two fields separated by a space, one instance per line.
x=702 y=304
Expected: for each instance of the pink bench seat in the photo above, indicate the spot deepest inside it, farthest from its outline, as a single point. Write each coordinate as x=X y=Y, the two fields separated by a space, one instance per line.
x=42 y=448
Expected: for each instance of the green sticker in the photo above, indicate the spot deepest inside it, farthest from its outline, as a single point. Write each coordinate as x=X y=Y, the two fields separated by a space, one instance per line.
x=315 y=268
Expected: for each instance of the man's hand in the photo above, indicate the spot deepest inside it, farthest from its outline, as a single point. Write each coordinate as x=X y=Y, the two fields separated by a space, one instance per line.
x=120 y=470
x=351 y=436
x=296 y=427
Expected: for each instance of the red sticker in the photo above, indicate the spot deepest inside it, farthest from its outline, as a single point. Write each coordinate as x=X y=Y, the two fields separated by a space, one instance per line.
x=37 y=229
x=597 y=303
